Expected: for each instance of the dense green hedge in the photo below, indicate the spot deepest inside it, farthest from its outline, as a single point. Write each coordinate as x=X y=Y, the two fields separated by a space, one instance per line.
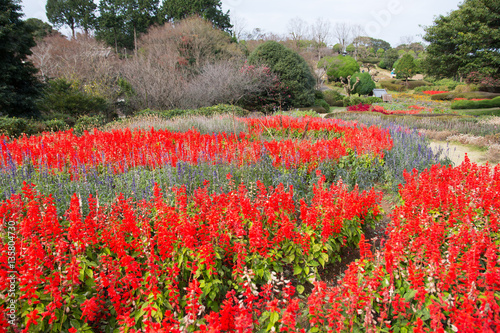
x=14 y=127
x=449 y=96
x=206 y=111
x=488 y=103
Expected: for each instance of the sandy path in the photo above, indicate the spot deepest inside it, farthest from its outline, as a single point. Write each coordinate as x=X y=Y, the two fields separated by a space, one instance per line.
x=456 y=152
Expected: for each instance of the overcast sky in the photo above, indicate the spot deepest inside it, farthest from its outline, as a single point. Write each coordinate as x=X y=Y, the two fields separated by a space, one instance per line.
x=388 y=20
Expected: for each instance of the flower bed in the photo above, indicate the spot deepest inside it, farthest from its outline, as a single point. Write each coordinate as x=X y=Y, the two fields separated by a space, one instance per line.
x=412 y=109
x=125 y=149
x=434 y=92
x=162 y=264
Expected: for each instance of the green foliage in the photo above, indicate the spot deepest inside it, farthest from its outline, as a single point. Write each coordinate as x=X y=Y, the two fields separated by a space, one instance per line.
x=208 y=9
x=15 y=127
x=322 y=103
x=333 y=97
x=365 y=85
x=449 y=83
x=406 y=67
x=350 y=49
x=464 y=41
x=87 y=123
x=64 y=100
x=449 y=96
x=72 y=13
x=39 y=28
x=339 y=66
x=391 y=85
x=292 y=70
x=390 y=57
x=122 y=21
x=488 y=103
x=337 y=48
x=205 y=111
x=355 y=100
x=19 y=87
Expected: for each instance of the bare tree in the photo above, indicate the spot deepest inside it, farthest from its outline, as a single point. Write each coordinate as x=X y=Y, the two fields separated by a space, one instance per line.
x=226 y=81
x=297 y=30
x=320 y=33
x=356 y=33
x=342 y=32
x=239 y=27
x=81 y=59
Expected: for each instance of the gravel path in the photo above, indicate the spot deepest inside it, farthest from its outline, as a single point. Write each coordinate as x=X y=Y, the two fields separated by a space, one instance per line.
x=456 y=152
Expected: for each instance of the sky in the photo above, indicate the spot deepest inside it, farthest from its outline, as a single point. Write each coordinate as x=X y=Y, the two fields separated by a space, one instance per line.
x=388 y=19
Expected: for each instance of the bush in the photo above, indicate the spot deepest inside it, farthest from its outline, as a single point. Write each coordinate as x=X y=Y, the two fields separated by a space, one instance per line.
x=448 y=83
x=461 y=88
x=14 y=127
x=65 y=100
x=371 y=100
x=55 y=125
x=353 y=100
x=382 y=65
x=390 y=85
x=365 y=85
x=333 y=97
x=339 y=66
x=206 y=111
x=489 y=103
x=449 y=96
x=87 y=123
x=322 y=103
x=418 y=84
x=292 y=70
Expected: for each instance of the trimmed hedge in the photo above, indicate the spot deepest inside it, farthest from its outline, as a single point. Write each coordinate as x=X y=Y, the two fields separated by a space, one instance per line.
x=449 y=96
x=205 y=111
x=488 y=103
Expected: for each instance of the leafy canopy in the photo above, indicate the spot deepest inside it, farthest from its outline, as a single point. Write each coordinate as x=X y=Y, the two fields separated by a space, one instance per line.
x=465 y=41
x=406 y=67
x=339 y=66
x=292 y=69
x=73 y=13
x=19 y=87
x=365 y=85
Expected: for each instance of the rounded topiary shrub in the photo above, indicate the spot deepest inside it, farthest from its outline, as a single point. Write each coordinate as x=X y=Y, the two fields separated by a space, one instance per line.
x=293 y=72
x=365 y=85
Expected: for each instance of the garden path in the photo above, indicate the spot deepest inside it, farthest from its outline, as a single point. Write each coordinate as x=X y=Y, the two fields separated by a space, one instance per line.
x=456 y=152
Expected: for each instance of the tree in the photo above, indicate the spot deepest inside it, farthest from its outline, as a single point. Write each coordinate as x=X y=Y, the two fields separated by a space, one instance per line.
x=342 y=31
x=339 y=66
x=19 y=87
x=40 y=29
x=298 y=30
x=73 y=13
x=210 y=10
x=365 y=85
x=121 y=21
x=291 y=69
x=337 y=48
x=406 y=67
x=464 y=41
x=320 y=33
x=390 y=57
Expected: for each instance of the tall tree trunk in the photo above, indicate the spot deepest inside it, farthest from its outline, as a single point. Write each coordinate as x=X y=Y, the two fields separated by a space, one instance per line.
x=135 y=41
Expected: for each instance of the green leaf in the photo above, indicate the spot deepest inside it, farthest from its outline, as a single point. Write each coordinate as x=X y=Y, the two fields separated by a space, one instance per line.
x=297 y=270
x=300 y=289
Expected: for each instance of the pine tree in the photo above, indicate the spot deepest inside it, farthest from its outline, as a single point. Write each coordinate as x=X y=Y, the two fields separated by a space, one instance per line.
x=19 y=86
